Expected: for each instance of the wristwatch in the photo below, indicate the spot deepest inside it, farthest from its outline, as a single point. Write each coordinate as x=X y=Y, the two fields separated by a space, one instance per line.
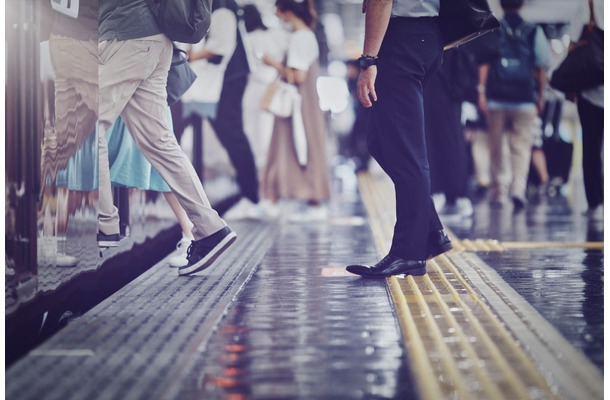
x=366 y=61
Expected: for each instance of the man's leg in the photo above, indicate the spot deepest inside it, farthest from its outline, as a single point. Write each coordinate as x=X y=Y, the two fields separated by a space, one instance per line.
x=592 y=121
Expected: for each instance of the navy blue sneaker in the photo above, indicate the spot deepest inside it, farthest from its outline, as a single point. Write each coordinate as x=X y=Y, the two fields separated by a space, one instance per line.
x=202 y=253
x=104 y=240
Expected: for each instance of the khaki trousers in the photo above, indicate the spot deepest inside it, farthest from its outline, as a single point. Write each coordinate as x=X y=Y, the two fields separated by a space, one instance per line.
x=509 y=176
x=132 y=79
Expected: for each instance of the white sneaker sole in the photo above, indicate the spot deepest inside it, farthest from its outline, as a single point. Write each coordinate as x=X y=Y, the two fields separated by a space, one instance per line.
x=109 y=243
x=210 y=257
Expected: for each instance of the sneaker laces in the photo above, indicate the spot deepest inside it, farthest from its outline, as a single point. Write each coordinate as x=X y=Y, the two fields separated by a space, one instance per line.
x=190 y=250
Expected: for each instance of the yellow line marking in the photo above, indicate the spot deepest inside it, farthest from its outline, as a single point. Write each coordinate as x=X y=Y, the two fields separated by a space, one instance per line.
x=491 y=346
x=426 y=380
x=453 y=372
x=494 y=245
x=538 y=245
x=489 y=387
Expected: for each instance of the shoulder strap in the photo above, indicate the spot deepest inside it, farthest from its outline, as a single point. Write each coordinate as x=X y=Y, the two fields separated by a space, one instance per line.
x=591 y=23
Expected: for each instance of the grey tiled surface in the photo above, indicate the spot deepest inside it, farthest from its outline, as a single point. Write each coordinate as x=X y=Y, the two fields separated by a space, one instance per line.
x=289 y=333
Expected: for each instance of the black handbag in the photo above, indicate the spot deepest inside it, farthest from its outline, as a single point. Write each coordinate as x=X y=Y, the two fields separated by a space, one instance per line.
x=460 y=21
x=583 y=67
x=180 y=76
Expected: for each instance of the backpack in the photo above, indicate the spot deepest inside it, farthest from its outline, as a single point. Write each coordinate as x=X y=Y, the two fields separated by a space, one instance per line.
x=185 y=21
x=511 y=75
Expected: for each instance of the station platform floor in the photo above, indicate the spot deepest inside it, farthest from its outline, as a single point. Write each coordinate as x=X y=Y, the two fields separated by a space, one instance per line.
x=514 y=311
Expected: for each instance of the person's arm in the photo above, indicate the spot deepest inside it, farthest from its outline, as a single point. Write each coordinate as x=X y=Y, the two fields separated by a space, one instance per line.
x=540 y=76
x=272 y=62
x=221 y=38
x=201 y=54
x=378 y=14
x=483 y=74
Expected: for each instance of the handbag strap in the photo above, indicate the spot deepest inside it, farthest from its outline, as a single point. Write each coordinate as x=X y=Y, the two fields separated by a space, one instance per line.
x=182 y=57
x=591 y=23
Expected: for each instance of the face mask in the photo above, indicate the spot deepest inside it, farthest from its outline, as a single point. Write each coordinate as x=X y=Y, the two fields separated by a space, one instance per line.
x=286 y=25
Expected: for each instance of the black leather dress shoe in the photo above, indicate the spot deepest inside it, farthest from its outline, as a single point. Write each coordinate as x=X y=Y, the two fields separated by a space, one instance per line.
x=388 y=266
x=438 y=243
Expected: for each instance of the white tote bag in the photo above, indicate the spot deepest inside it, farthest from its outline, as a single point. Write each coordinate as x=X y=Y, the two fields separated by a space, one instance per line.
x=208 y=85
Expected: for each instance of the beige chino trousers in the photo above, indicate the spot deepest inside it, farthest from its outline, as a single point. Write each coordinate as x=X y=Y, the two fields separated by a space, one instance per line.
x=132 y=80
x=509 y=176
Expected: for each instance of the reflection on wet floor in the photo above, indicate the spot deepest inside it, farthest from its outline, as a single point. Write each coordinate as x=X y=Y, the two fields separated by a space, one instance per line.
x=278 y=317
x=294 y=332
x=553 y=257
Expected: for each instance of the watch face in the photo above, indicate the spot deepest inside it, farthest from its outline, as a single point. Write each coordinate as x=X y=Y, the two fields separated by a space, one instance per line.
x=366 y=62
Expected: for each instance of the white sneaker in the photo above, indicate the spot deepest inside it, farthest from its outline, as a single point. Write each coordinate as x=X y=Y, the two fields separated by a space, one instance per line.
x=179 y=259
x=464 y=206
x=65 y=260
x=244 y=209
x=310 y=214
x=439 y=200
x=265 y=209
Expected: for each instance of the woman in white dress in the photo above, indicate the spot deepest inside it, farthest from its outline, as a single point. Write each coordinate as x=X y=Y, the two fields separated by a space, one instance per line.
x=284 y=177
x=258 y=123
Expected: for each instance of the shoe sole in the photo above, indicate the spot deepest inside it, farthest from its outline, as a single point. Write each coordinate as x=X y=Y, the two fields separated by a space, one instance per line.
x=175 y=265
x=210 y=257
x=108 y=244
x=412 y=272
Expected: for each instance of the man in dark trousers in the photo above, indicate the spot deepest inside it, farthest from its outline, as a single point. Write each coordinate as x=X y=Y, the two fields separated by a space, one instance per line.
x=402 y=47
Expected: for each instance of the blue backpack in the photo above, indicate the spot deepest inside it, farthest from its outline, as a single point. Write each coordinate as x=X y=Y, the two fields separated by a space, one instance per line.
x=511 y=76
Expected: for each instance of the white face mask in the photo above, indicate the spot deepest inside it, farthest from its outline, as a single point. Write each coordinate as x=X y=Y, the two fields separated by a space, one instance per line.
x=286 y=25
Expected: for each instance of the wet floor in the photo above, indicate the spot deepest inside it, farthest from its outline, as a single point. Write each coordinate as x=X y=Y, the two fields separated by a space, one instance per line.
x=277 y=317
x=554 y=258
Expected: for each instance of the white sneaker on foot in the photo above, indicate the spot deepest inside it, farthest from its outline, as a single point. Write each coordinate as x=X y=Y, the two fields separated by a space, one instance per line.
x=179 y=259
x=310 y=214
x=243 y=209
x=266 y=210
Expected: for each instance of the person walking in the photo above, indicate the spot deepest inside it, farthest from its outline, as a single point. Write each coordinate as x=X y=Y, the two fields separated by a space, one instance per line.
x=134 y=59
x=402 y=48
x=444 y=94
x=590 y=104
x=219 y=96
x=273 y=41
x=511 y=94
x=284 y=177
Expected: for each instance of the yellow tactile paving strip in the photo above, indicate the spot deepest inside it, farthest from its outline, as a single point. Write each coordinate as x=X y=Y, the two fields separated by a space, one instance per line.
x=494 y=245
x=458 y=345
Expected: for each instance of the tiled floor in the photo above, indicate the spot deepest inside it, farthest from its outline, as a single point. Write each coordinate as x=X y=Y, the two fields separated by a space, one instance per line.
x=277 y=317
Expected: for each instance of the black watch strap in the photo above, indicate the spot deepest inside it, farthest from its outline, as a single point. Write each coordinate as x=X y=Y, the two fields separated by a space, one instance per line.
x=366 y=61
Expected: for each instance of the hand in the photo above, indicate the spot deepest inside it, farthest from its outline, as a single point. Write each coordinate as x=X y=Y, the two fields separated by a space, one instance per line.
x=366 y=86
x=267 y=59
